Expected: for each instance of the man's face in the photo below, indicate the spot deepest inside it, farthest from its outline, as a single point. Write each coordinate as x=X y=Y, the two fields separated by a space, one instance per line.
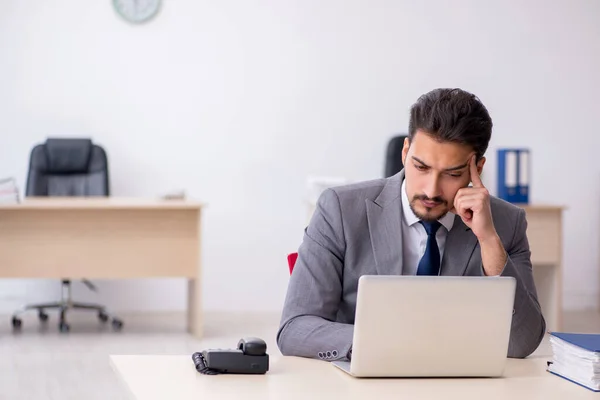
x=434 y=172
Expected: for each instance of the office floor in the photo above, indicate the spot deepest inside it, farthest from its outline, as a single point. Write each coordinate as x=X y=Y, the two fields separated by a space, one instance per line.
x=40 y=363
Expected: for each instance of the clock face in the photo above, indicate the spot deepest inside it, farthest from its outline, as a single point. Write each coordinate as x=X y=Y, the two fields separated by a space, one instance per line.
x=137 y=11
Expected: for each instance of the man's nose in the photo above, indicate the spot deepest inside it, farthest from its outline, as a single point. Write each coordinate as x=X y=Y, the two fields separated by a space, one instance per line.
x=432 y=188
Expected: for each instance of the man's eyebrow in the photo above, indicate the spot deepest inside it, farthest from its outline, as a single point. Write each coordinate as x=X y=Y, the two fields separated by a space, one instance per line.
x=456 y=168
x=447 y=169
x=419 y=161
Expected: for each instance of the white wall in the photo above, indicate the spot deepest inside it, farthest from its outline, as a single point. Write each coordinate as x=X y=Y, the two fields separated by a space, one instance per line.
x=239 y=101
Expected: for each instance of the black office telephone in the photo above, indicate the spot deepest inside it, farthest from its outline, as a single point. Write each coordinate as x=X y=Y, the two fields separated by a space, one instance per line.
x=250 y=357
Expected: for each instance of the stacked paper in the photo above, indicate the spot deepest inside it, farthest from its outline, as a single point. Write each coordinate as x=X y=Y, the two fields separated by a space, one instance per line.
x=9 y=193
x=576 y=357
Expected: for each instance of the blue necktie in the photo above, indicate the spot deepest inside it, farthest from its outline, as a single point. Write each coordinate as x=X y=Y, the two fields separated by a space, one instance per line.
x=430 y=262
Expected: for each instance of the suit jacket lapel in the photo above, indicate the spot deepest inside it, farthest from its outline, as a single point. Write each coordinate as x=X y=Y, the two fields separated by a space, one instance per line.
x=384 y=218
x=460 y=244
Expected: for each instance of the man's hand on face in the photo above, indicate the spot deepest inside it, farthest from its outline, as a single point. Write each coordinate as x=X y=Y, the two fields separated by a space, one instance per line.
x=472 y=204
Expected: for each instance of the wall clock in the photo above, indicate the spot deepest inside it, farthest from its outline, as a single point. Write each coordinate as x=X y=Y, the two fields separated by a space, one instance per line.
x=137 y=11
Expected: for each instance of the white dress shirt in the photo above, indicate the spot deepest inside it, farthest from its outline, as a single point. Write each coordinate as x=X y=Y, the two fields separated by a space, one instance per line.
x=414 y=236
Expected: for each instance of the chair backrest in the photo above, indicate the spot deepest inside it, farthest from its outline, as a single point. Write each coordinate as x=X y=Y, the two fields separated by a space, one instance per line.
x=393 y=156
x=292 y=257
x=67 y=167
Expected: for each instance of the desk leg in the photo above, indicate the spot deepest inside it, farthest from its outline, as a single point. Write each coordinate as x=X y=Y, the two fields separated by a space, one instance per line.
x=195 y=308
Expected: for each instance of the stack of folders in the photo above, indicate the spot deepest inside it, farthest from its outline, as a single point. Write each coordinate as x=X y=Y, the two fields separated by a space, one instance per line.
x=576 y=357
x=9 y=192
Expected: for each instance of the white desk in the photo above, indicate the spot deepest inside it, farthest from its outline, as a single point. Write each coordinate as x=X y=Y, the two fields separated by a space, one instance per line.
x=150 y=377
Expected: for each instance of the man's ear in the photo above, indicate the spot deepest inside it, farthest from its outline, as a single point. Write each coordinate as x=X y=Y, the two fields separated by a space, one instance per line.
x=405 y=151
x=480 y=165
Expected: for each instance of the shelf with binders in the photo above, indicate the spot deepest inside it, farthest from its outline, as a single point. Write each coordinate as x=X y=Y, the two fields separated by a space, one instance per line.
x=513 y=183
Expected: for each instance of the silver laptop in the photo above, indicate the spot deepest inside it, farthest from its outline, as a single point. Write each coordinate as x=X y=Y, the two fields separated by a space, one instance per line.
x=417 y=326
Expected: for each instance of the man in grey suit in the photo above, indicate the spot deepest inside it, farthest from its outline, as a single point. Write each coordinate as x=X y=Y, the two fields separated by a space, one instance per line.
x=435 y=217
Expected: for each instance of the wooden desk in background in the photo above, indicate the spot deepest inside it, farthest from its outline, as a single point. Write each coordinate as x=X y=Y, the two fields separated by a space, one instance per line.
x=544 y=232
x=104 y=238
x=154 y=377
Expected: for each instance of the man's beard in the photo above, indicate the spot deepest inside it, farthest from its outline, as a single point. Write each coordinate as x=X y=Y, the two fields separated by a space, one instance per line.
x=428 y=217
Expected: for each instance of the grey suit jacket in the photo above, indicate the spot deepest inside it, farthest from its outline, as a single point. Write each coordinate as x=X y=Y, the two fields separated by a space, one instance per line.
x=355 y=231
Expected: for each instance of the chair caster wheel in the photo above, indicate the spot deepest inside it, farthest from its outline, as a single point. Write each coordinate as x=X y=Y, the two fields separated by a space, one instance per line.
x=43 y=316
x=117 y=324
x=102 y=316
x=63 y=327
x=17 y=323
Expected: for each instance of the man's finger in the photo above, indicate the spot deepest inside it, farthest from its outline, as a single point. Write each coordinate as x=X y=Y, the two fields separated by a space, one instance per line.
x=480 y=196
x=474 y=174
x=458 y=197
x=467 y=193
x=464 y=211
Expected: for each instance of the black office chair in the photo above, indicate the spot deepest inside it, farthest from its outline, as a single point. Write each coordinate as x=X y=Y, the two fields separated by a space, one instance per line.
x=67 y=167
x=393 y=156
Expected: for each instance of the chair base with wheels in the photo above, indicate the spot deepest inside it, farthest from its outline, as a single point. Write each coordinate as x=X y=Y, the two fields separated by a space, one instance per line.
x=63 y=306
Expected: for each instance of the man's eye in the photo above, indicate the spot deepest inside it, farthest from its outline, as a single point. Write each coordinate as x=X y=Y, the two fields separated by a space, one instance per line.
x=455 y=175
x=420 y=167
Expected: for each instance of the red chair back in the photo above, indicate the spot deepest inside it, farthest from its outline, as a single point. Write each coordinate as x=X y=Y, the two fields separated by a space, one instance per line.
x=292 y=257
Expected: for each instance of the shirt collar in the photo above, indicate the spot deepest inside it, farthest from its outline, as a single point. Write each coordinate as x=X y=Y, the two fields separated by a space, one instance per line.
x=410 y=218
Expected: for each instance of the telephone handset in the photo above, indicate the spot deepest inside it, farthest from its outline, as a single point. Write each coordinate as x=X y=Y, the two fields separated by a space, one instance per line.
x=250 y=357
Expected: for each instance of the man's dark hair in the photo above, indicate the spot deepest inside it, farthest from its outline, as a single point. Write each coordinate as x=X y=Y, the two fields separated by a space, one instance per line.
x=452 y=115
